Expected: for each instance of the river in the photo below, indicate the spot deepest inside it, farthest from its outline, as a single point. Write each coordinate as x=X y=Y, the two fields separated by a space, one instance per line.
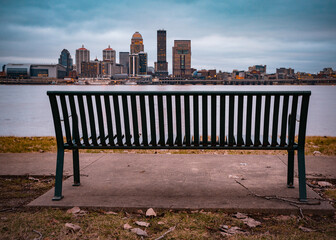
x=25 y=109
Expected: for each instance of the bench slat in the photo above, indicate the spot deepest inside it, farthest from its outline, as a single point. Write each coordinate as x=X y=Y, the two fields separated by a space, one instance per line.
x=292 y=122
x=187 y=119
x=109 y=119
x=196 y=121
x=284 y=120
x=152 y=120
x=248 y=140
x=117 y=119
x=257 y=122
x=178 y=120
x=170 y=141
x=213 y=120
x=83 y=119
x=100 y=120
x=92 y=120
x=144 y=120
x=66 y=119
x=74 y=117
x=161 y=121
x=275 y=120
x=126 y=120
x=135 y=120
x=222 y=121
x=240 y=140
x=266 y=120
x=205 y=120
x=231 y=119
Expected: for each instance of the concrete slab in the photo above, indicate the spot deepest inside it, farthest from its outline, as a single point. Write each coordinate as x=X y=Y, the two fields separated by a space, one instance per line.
x=184 y=182
x=317 y=166
x=41 y=164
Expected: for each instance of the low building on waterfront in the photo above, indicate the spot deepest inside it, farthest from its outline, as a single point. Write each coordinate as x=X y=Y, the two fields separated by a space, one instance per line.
x=35 y=71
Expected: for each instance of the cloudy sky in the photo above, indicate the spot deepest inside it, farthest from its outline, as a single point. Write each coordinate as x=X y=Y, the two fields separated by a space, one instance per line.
x=224 y=34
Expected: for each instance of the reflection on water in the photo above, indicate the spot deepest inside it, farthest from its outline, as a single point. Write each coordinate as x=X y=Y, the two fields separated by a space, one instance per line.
x=25 y=110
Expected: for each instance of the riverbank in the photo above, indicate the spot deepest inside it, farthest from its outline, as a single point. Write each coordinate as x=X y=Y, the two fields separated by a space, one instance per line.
x=314 y=146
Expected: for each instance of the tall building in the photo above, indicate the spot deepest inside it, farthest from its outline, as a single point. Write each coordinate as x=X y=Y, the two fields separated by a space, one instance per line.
x=258 y=68
x=182 y=58
x=109 y=55
x=161 y=66
x=137 y=43
x=66 y=61
x=284 y=73
x=124 y=60
x=143 y=63
x=82 y=55
x=133 y=64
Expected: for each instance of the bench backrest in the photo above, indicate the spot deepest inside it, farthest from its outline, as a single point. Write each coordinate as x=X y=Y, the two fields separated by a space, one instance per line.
x=213 y=119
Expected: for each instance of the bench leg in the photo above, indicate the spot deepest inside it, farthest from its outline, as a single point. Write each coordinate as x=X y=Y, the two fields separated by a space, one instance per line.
x=290 y=170
x=59 y=175
x=76 y=174
x=302 y=175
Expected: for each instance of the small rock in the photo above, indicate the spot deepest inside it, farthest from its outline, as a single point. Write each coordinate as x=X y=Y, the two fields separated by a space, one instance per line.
x=196 y=211
x=161 y=223
x=240 y=215
x=4 y=218
x=324 y=184
x=304 y=229
x=127 y=226
x=317 y=153
x=41 y=151
x=150 y=213
x=73 y=210
x=72 y=227
x=139 y=232
x=142 y=224
x=251 y=222
x=111 y=213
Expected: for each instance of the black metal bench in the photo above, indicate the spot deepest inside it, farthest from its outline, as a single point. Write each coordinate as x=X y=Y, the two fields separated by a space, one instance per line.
x=180 y=120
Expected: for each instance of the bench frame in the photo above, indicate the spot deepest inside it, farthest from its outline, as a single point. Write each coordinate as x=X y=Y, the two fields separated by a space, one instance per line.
x=77 y=137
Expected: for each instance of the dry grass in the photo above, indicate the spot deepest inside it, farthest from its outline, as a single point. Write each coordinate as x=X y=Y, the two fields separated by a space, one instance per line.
x=325 y=145
x=18 y=222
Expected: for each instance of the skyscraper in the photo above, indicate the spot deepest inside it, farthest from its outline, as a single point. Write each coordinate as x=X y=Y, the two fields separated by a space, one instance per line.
x=82 y=55
x=142 y=63
x=109 y=55
x=124 y=60
x=134 y=64
x=161 y=66
x=66 y=60
x=182 y=58
x=137 y=43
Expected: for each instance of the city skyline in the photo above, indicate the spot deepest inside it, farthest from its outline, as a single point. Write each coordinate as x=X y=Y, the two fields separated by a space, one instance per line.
x=224 y=35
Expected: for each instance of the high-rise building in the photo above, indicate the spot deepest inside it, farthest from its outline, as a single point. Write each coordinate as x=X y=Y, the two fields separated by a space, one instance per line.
x=133 y=64
x=142 y=63
x=182 y=58
x=82 y=55
x=137 y=43
x=161 y=66
x=109 y=55
x=66 y=61
x=124 y=60
x=258 y=68
x=284 y=73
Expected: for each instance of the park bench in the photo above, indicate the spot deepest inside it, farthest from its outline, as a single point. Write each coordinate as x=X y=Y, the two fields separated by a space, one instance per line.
x=216 y=120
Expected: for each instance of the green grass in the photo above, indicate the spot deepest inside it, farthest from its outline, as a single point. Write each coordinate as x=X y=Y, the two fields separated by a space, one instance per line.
x=325 y=145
